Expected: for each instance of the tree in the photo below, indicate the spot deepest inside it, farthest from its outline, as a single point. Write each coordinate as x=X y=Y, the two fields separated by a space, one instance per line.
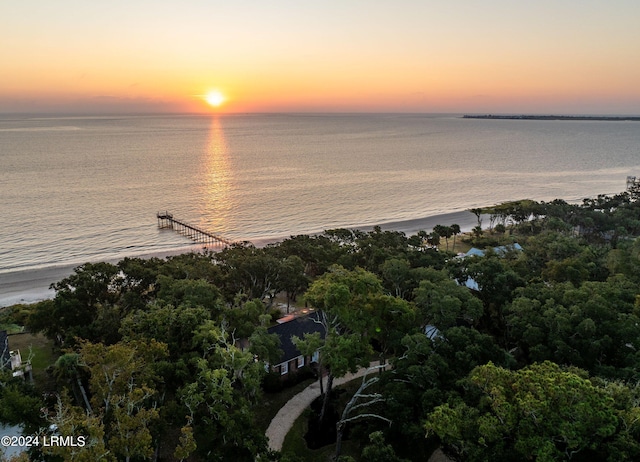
x=393 y=317
x=395 y=271
x=124 y=402
x=417 y=241
x=190 y=293
x=540 y=411
x=265 y=346
x=433 y=239
x=139 y=276
x=478 y=213
x=20 y=403
x=341 y=352
x=174 y=325
x=500 y=228
x=317 y=252
x=66 y=368
x=130 y=435
x=426 y=373
x=90 y=284
x=68 y=420
x=594 y=326
x=187 y=443
x=455 y=230
x=308 y=346
x=368 y=399
x=344 y=299
x=496 y=282
x=444 y=231
x=123 y=384
x=220 y=395
x=243 y=318
x=85 y=306
x=193 y=265
x=443 y=303
x=378 y=451
x=252 y=271
x=293 y=278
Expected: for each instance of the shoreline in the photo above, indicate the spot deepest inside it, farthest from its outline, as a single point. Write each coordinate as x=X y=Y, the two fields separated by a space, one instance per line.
x=26 y=286
x=31 y=285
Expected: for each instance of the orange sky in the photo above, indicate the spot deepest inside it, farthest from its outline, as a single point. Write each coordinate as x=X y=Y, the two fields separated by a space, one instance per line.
x=405 y=56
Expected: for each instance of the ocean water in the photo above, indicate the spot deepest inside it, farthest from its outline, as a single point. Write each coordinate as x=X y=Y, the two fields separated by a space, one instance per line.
x=76 y=189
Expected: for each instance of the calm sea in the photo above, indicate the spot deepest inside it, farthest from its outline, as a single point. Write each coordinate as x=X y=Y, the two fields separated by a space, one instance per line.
x=74 y=189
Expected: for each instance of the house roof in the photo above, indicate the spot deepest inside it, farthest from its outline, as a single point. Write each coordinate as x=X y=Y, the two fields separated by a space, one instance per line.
x=475 y=252
x=501 y=250
x=431 y=331
x=298 y=327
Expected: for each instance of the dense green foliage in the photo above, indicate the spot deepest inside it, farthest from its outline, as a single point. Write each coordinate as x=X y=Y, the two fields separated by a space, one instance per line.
x=539 y=412
x=164 y=358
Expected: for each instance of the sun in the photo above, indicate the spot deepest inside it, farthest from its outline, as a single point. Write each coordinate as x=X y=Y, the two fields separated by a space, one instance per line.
x=214 y=98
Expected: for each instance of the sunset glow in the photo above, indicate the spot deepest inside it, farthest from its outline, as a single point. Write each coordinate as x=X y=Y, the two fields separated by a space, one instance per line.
x=408 y=56
x=215 y=98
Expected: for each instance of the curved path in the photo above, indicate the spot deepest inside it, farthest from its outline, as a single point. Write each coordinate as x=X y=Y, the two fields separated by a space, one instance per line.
x=287 y=415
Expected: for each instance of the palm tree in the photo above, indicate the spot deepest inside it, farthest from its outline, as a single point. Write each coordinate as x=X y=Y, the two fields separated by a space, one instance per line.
x=433 y=239
x=444 y=231
x=67 y=368
x=455 y=229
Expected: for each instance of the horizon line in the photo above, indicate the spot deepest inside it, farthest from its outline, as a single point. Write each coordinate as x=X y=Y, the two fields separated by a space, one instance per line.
x=265 y=113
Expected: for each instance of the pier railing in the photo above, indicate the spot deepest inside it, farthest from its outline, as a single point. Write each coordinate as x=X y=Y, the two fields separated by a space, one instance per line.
x=196 y=234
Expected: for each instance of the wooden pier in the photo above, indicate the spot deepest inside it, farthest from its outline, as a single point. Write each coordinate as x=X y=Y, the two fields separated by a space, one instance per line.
x=167 y=220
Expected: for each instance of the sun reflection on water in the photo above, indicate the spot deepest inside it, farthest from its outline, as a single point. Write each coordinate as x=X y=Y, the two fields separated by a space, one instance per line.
x=217 y=203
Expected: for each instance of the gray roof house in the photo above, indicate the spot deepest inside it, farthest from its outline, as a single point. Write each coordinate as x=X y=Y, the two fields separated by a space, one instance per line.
x=501 y=250
x=291 y=359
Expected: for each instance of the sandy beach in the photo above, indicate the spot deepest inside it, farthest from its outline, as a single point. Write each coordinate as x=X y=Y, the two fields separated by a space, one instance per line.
x=29 y=286
x=466 y=220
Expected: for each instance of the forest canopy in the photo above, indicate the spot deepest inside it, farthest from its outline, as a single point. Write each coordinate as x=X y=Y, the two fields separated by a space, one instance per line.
x=528 y=352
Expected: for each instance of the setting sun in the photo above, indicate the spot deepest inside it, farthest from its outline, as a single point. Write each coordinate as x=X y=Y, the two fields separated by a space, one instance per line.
x=215 y=98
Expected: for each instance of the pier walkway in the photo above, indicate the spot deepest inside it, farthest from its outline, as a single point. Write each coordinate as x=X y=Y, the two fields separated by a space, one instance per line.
x=167 y=220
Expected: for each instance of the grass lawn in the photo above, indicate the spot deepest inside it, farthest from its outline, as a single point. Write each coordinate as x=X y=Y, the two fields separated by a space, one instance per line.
x=40 y=349
x=461 y=246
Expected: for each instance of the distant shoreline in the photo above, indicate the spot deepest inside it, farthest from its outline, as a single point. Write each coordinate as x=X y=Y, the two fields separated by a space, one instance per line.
x=553 y=117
